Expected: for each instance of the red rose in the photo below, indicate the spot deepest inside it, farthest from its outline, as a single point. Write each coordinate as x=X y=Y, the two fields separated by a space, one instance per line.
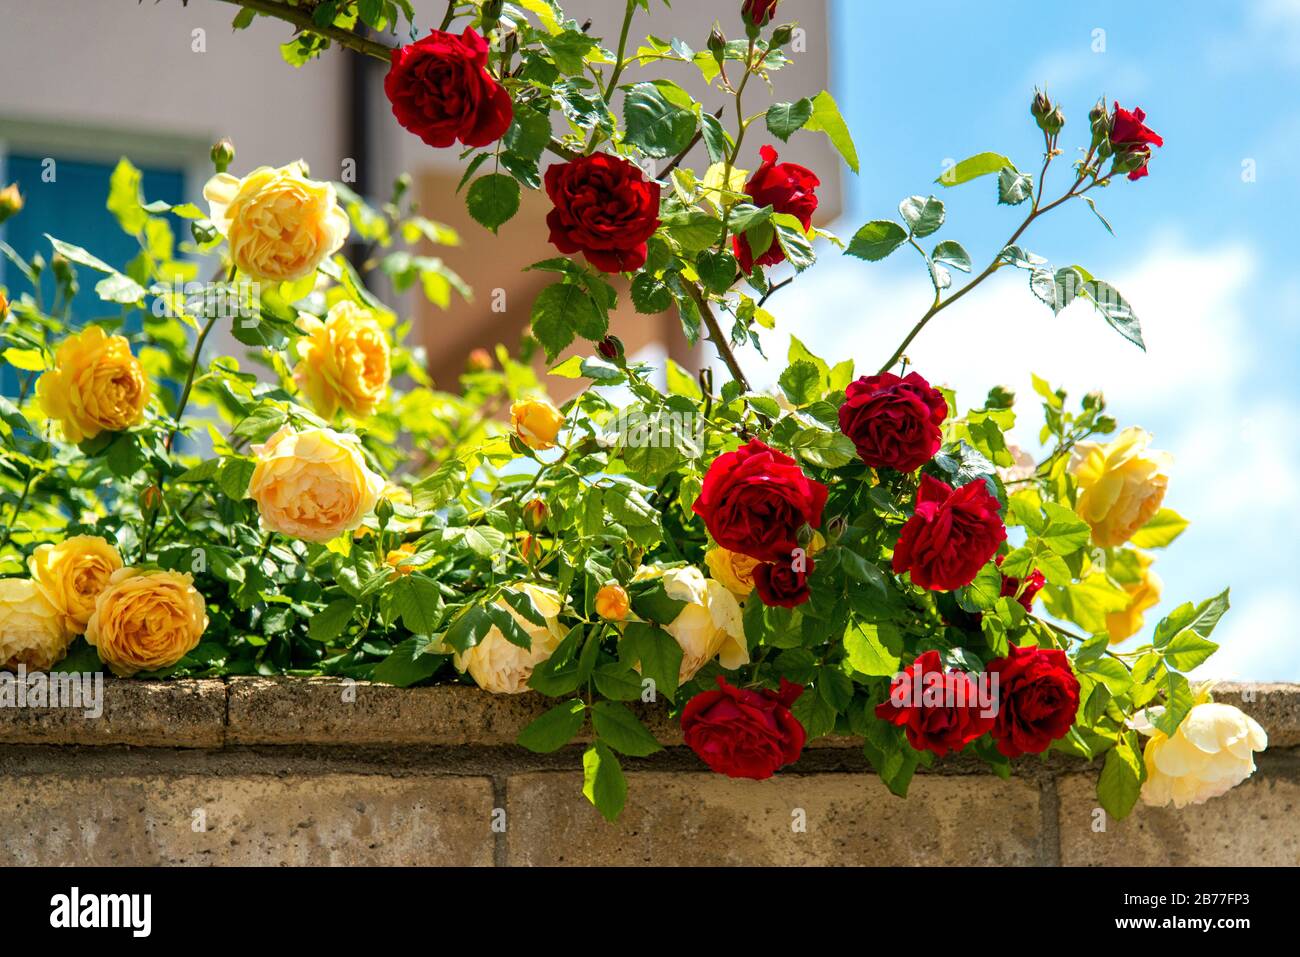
x=1033 y=585
x=742 y=733
x=1039 y=696
x=950 y=536
x=758 y=12
x=940 y=710
x=755 y=499
x=893 y=422
x=779 y=584
x=1131 y=137
x=787 y=188
x=604 y=208
x=442 y=92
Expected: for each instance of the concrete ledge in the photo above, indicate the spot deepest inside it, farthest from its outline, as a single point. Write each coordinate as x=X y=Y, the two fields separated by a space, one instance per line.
x=326 y=711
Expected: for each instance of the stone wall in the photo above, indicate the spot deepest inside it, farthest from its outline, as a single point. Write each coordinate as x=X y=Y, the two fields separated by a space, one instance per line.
x=262 y=771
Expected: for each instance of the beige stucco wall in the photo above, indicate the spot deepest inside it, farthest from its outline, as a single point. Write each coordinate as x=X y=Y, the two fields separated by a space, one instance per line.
x=262 y=771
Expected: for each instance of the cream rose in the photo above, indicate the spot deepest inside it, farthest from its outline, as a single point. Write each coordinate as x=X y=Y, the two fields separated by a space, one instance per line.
x=313 y=485
x=497 y=664
x=280 y=225
x=1121 y=485
x=146 y=620
x=71 y=575
x=96 y=385
x=710 y=626
x=343 y=362
x=1211 y=752
x=32 y=632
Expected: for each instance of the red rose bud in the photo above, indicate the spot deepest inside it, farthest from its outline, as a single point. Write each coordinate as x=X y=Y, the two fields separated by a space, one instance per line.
x=535 y=515
x=743 y=733
x=787 y=188
x=1039 y=696
x=611 y=347
x=894 y=422
x=1132 y=140
x=530 y=549
x=758 y=12
x=783 y=584
x=605 y=209
x=754 y=499
x=951 y=535
x=1033 y=585
x=939 y=710
x=441 y=91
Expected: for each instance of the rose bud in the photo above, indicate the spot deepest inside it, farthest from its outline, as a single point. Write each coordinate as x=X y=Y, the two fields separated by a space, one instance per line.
x=223 y=154
x=758 y=12
x=4 y=306
x=611 y=347
x=612 y=602
x=536 y=423
x=1040 y=107
x=479 y=360
x=150 y=499
x=535 y=515
x=530 y=549
x=1054 y=122
x=11 y=201
x=717 y=45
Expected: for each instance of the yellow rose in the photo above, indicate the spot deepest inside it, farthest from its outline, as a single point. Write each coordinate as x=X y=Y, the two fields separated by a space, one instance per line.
x=31 y=629
x=499 y=665
x=710 y=626
x=1144 y=595
x=1121 y=485
x=72 y=574
x=4 y=306
x=280 y=225
x=1211 y=752
x=313 y=485
x=536 y=422
x=398 y=555
x=612 y=602
x=146 y=620
x=96 y=385
x=343 y=362
x=734 y=570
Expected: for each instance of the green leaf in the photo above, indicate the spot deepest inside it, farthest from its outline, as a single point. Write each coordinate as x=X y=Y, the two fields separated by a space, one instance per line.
x=407 y=664
x=29 y=360
x=603 y=783
x=981 y=164
x=1178 y=702
x=784 y=118
x=235 y=474
x=868 y=653
x=563 y=310
x=418 y=601
x=659 y=117
x=923 y=215
x=1115 y=308
x=876 y=240
x=555 y=728
x=1014 y=187
x=1187 y=650
x=622 y=730
x=650 y=295
x=794 y=241
x=493 y=199
x=657 y=652
x=952 y=253
x=716 y=139
x=1165 y=526
x=1065 y=532
x=801 y=383
x=1121 y=780
x=328 y=624
x=124 y=197
x=826 y=119
x=717 y=268
x=1199 y=620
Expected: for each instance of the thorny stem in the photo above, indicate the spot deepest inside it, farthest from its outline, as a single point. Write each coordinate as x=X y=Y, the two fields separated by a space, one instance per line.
x=619 y=62
x=716 y=336
x=940 y=304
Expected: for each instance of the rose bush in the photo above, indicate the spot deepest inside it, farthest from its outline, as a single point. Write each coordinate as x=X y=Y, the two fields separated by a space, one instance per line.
x=318 y=507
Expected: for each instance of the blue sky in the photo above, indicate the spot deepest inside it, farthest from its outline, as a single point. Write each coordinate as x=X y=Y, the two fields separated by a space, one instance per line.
x=1203 y=255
